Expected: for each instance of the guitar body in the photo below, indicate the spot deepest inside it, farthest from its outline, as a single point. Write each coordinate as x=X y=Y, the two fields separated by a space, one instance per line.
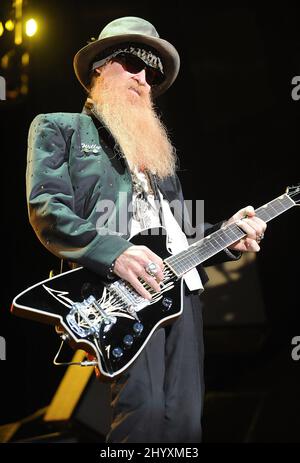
x=72 y=302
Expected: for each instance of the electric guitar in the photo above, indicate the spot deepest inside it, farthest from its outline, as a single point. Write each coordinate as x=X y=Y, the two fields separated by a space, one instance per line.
x=111 y=321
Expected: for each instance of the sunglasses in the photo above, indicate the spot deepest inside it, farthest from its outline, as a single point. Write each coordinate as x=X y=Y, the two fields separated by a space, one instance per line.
x=134 y=65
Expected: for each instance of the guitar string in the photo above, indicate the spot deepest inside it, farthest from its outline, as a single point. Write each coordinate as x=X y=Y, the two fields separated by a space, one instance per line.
x=206 y=248
x=201 y=249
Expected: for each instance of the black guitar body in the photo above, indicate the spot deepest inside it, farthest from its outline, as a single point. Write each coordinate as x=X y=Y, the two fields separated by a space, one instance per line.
x=51 y=301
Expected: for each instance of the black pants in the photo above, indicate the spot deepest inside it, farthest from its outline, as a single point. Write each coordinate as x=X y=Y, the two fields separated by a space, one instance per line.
x=159 y=399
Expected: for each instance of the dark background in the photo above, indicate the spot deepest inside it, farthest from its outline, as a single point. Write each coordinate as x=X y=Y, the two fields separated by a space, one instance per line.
x=236 y=128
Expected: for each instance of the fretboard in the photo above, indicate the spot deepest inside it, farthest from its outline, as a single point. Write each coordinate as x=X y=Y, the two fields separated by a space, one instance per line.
x=210 y=245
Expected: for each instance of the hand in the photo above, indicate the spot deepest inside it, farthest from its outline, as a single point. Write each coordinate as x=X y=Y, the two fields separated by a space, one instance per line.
x=252 y=226
x=131 y=265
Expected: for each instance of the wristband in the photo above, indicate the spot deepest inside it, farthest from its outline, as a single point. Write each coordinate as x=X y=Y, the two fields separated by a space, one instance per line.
x=110 y=273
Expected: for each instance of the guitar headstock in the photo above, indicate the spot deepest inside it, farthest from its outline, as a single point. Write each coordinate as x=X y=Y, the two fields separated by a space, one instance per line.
x=294 y=193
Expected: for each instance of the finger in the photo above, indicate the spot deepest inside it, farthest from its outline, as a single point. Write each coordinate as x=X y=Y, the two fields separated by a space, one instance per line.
x=249 y=211
x=259 y=227
x=154 y=257
x=256 y=226
x=132 y=278
x=252 y=245
x=131 y=270
x=247 y=228
x=260 y=223
x=245 y=212
x=151 y=281
x=135 y=275
x=247 y=245
x=158 y=275
x=243 y=245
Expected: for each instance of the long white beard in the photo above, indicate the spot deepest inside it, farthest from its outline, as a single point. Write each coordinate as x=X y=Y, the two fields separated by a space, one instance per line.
x=135 y=126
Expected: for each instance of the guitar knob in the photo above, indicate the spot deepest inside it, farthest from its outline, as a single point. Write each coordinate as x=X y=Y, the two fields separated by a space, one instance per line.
x=117 y=352
x=128 y=340
x=167 y=303
x=138 y=328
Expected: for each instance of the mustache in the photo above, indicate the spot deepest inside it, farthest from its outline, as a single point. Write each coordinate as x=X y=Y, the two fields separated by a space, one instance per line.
x=139 y=88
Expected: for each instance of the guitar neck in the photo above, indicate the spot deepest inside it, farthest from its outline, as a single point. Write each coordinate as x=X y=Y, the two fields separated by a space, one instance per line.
x=202 y=250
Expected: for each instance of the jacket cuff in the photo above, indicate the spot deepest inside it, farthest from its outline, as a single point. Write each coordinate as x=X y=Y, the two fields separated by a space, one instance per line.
x=233 y=255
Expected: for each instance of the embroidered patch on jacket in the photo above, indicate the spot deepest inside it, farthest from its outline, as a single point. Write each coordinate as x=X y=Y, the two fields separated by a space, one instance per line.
x=86 y=148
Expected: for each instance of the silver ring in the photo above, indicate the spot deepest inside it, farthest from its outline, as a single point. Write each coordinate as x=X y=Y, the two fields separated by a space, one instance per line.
x=260 y=237
x=151 y=269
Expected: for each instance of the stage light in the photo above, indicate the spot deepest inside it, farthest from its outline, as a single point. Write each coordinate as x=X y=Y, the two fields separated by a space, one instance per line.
x=9 y=25
x=31 y=27
x=18 y=33
x=15 y=66
x=25 y=59
x=14 y=63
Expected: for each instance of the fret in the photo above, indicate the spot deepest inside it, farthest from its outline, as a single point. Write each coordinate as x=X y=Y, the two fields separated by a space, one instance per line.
x=214 y=243
x=277 y=206
x=219 y=240
x=225 y=235
x=233 y=234
x=264 y=215
x=272 y=208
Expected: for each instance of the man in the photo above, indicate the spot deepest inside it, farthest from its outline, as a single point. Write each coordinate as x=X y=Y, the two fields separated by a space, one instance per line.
x=117 y=151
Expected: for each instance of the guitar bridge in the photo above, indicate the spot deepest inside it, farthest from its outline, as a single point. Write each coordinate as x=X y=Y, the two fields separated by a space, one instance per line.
x=85 y=318
x=131 y=300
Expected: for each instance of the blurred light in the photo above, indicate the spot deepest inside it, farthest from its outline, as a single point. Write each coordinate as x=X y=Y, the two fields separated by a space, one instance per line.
x=25 y=59
x=9 y=25
x=4 y=61
x=1 y=28
x=15 y=70
x=18 y=4
x=31 y=27
x=24 y=89
x=18 y=33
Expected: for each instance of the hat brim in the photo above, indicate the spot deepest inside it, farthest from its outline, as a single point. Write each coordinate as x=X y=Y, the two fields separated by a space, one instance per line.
x=170 y=58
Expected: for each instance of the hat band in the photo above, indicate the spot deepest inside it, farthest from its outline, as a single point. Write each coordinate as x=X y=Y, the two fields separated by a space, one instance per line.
x=147 y=56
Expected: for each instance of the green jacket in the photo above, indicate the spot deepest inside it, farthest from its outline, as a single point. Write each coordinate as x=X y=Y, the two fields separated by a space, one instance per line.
x=73 y=171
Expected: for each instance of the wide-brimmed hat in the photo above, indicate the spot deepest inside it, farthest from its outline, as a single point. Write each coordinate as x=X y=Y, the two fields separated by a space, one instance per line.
x=128 y=29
